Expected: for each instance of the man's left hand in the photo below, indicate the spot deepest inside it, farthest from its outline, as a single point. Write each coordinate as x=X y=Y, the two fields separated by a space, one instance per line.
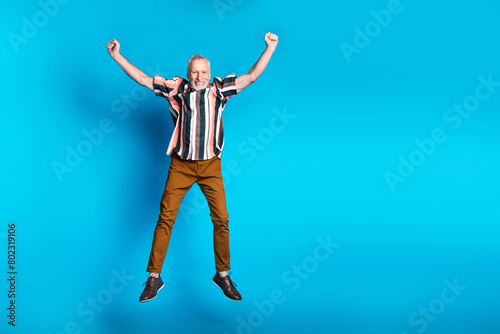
x=271 y=40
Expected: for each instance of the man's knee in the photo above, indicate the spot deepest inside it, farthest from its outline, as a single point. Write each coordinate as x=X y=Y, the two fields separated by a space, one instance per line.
x=165 y=219
x=221 y=224
x=219 y=216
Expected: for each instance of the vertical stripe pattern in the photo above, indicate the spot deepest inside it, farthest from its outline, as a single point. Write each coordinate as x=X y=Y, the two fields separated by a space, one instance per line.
x=197 y=115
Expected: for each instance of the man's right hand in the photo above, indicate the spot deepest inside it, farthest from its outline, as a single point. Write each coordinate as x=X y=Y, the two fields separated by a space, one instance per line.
x=132 y=71
x=113 y=47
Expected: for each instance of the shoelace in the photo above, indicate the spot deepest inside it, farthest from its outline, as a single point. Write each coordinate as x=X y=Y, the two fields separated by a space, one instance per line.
x=148 y=282
x=229 y=273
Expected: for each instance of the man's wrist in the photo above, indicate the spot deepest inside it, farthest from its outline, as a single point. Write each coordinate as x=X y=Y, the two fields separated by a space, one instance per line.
x=116 y=56
x=271 y=48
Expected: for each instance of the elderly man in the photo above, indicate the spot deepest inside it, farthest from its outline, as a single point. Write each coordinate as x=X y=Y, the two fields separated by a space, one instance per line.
x=195 y=148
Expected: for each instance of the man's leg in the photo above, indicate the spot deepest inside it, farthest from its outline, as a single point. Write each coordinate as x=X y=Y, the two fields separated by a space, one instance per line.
x=210 y=182
x=179 y=180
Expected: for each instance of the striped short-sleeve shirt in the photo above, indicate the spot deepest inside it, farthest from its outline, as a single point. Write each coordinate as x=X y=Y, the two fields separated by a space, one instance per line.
x=197 y=115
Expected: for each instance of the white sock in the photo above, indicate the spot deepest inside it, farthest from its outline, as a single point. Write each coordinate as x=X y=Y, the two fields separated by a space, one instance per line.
x=154 y=275
x=222 y=273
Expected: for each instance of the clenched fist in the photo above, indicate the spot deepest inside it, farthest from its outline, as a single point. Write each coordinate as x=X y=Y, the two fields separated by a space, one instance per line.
x=113 y=47
x=271 y=40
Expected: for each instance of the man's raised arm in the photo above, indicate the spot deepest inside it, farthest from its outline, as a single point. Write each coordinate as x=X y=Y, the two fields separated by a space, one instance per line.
x=132 y=71
x=244 y=80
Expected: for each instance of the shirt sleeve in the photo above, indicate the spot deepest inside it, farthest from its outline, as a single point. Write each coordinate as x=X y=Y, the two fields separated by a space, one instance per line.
x=226 y=86
x=165 y=87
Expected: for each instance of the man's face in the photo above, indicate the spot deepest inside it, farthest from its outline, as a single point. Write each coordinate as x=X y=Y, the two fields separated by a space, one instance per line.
x=199 y=74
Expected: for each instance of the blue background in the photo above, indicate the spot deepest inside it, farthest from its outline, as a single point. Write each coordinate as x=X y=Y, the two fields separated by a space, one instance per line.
x=317 y=174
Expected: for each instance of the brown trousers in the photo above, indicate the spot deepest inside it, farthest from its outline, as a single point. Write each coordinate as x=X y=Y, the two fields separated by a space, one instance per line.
x=181 y=176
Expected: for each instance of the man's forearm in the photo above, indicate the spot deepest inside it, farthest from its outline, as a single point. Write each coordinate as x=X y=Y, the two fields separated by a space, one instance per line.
x=261 y=64
x=133 y=72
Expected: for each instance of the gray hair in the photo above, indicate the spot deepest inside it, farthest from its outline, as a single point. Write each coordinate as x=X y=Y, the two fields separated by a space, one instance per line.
x=197 y=56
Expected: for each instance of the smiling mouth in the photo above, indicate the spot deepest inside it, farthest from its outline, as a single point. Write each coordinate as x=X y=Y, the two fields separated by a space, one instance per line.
x=199 y=83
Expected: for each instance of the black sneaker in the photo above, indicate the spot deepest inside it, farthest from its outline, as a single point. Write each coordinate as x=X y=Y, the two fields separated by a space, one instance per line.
x=227 y=286
x=153 y=285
